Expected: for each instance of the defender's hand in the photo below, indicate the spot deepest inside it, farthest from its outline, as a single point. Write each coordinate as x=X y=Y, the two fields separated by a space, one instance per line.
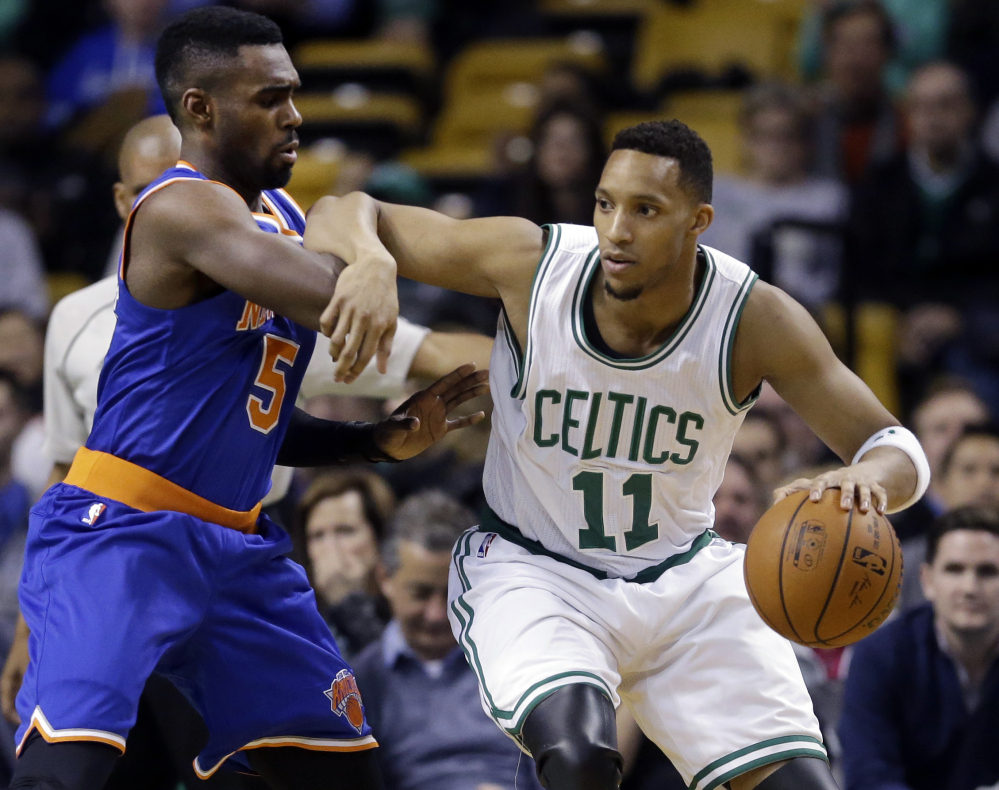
x=360 y=320
x=858 y=483
x=423 y=419
x=13 y=672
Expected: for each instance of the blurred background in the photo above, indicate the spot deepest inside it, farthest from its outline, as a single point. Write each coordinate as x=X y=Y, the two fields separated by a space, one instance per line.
x=854 y=147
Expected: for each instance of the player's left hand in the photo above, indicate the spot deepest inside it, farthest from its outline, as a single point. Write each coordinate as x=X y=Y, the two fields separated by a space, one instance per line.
x=360 y=319
x=857 y=483
x=423 y=419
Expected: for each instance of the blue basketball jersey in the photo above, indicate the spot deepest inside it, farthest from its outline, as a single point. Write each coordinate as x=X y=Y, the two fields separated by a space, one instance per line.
x=202 y=395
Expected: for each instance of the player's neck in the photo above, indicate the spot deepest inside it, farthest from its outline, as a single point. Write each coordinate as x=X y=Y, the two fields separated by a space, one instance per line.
x=637 y=327
x=209 y=166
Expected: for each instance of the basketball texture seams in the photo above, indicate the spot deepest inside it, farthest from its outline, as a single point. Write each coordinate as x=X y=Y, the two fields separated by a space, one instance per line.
x=822 y=576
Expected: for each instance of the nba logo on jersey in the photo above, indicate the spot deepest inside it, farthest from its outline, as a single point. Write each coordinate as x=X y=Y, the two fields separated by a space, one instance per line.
x=345 y=699
x=94 y=513
x=484 y=547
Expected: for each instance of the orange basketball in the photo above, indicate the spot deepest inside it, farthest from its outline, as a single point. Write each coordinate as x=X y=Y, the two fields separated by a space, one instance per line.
x=822 y=576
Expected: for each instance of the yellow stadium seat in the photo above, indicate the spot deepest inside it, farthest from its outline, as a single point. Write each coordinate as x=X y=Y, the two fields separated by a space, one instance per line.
x=710 y=39
x=474 y=121
x=721 y=135
x=63 y=284
x=595 y=7
x=788 y=10
x=876 y=325
x=361 y=55
x=400 y=111
x=691 y=105
x=314 y=175
x=440 y=162
x=492 y=65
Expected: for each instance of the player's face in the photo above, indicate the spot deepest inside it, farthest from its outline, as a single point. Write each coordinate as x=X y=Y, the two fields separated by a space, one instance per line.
x=139 y=173
x=417 y=593
x=256 y=117
x=963 y=581
x=645 y=221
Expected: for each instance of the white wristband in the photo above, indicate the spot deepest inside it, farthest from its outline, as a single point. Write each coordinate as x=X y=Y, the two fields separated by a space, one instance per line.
x=904 y=440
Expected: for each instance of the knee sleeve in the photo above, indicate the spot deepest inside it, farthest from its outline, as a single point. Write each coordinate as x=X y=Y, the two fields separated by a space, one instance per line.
x=69 y=765
x=572 y=736
x=801 y=773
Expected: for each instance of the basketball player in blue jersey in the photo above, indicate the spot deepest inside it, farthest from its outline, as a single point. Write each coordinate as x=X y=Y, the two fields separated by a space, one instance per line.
x=152 y=555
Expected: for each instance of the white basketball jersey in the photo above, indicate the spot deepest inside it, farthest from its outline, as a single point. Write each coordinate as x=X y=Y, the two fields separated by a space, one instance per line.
x=612 y=463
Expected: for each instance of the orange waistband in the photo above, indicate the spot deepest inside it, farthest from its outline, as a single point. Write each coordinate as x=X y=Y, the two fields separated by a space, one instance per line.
x=108 y=476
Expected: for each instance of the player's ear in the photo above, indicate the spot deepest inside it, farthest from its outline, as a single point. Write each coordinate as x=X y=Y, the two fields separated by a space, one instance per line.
x=195 y=104
x=703 y=218
x=121 y=202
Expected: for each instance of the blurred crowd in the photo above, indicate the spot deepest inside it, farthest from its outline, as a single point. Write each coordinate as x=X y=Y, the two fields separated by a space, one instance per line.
x=868 y=187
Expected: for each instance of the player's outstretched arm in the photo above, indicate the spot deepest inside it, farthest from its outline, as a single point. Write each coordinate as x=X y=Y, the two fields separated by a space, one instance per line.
x=208 y=228
x=494 y=257
x=778 y=341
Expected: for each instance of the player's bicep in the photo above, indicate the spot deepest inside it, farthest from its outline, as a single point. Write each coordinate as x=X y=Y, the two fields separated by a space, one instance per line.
x=799 y=363
x=486 y=256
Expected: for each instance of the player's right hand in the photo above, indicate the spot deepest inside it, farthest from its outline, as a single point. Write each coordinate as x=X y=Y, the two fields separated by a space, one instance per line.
x=360 y=320
x=13 y=672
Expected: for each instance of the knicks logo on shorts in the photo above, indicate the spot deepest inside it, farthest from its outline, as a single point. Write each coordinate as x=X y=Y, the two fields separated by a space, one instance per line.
x=94 y=513
x=345 y=699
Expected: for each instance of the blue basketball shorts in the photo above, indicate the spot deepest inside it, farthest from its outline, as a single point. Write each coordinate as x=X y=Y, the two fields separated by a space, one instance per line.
x=112 y=594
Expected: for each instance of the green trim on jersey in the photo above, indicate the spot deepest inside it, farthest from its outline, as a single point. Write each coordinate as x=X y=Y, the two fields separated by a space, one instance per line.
x=795 y=746
x=727 y=343
x=493 y=523
x=667 y=348
x=511 y=339
x=551 y=247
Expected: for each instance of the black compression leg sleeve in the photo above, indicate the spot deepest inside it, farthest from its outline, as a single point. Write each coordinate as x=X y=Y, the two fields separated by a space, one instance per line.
x=572 y=736
x=801 y=773
x=290 y=768
x=70 y=765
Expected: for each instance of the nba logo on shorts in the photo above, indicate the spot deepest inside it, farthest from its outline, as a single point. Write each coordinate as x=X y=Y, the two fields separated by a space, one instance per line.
x=94 y=513
x=487 y=541
x=345 y=699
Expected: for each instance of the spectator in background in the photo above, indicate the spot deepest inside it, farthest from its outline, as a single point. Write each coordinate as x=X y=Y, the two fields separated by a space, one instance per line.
x=24 y=287
x=938 y=421
x=341 y=522
x=420 y=695
x=968 y=475
x=858 y=124
x=15 y=500
x=922 y=27
x=804 y=448
x=739 y=501
x=762 y=445
x=777 y=131
x=563 y=174
x=921 y=708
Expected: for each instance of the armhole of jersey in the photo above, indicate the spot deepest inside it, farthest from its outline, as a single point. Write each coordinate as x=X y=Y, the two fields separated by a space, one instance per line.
x=551 y=246
x=727 y=344
x=127 y=235
x=511 y=340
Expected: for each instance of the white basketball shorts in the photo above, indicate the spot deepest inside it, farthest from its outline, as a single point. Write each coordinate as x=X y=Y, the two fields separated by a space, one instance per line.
x=706 y=680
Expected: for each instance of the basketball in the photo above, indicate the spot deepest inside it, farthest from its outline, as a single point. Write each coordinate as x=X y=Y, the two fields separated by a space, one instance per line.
x=822 y=576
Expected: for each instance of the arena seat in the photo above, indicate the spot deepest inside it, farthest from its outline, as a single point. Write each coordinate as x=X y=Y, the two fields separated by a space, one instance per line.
x=690 y=106
x=585 y=8
x=377 y=122
x=62 y=284
x=449 y=163
x=314 y=175
x=709 y=39
x=382 y=65
x=875 y=329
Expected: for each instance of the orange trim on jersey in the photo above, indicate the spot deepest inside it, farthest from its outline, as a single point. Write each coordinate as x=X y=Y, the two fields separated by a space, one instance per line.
x=50 y=734
x=309 y=744
x=286 y=229
x=294 y=203
x=108 y=476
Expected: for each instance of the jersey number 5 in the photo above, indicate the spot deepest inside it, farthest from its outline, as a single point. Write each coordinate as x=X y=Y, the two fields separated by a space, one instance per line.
x=639 y=488
x=271 y=378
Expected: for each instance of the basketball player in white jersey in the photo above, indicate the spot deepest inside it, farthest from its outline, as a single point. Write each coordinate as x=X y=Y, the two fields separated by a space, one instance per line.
x=630 y=356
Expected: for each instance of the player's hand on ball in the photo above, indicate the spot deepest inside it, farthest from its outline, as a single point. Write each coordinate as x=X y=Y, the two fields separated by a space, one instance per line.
x=360 y=320
x=423 y=419
x=857 y=483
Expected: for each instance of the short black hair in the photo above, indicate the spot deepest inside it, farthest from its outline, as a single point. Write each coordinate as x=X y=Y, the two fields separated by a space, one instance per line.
x=983 y=519
x=986 y=431
x=675 y=140
x=208 y=35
